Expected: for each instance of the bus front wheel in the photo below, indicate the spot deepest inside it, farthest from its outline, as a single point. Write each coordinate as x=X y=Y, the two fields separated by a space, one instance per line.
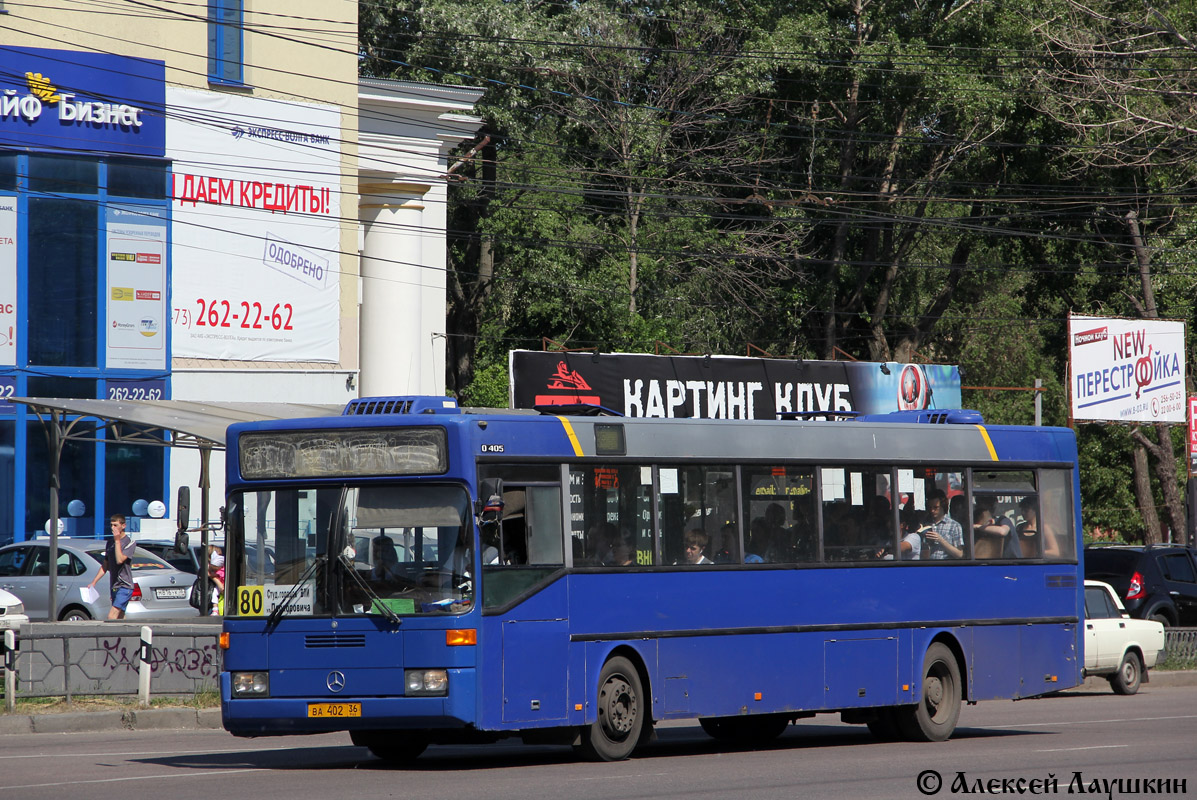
x=394 y=747
x=620 y=712
x=934 y=718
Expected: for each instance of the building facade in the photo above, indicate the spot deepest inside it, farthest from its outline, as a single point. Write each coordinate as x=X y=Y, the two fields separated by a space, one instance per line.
x=180 y=218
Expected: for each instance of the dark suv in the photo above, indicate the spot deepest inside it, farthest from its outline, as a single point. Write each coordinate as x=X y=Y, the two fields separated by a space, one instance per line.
x=1155 y=582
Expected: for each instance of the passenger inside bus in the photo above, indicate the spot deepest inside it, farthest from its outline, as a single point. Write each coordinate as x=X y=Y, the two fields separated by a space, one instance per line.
x=994 y=534
x=945 y=537
x=385 y=558
x=694 y=545
x=1032 y=532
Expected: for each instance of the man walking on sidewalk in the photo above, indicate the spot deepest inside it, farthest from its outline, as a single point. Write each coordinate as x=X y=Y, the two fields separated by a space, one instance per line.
x=119 y=566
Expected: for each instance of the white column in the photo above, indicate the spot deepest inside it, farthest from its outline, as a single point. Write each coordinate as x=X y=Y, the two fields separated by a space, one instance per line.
x=394 y=336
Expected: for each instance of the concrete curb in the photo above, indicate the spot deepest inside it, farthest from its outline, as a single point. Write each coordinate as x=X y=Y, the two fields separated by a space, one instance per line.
x=142 y=719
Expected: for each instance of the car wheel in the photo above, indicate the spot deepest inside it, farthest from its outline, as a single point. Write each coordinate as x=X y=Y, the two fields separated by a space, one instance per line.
x=934 y=718
x=1129 y=675
x=620 y=713
x=393 y=747
x=1162 y=619
x=75 y=614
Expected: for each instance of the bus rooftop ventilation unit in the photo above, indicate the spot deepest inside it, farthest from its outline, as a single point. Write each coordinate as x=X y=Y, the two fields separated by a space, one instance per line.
x=400 y=405
x=942 y=416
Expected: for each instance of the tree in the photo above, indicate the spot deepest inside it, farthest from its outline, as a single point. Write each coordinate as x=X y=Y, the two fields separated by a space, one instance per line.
x=1118 y=74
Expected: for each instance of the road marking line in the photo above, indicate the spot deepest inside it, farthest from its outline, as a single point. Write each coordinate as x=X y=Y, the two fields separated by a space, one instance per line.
x=1088 y=722
x=1094 y=747
x=137 y=778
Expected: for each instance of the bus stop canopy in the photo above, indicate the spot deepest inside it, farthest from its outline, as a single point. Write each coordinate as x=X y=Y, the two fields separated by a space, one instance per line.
x=172 y=423
x=161 y=423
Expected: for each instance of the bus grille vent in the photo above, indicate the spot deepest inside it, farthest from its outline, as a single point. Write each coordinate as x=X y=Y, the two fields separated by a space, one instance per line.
x=322 y=641
x=363 y=407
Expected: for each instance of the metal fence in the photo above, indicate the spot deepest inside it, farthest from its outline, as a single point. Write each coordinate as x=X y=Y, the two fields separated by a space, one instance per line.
x=1180 y=647
x=103 y=658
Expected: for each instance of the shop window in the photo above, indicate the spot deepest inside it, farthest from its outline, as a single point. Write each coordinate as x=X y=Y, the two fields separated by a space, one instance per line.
x=8 y=172
x=63 y=276
x=61 y=175
x=77 y=476
x=58 y=386
x=132 y=472
x=143 y=179
x=225 y=42
x=8 y=478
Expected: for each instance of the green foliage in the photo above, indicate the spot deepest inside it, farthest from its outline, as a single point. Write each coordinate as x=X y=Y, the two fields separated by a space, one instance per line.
x=939 y=182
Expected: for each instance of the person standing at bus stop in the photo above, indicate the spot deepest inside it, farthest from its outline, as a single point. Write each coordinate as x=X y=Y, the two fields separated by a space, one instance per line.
x=118 y=563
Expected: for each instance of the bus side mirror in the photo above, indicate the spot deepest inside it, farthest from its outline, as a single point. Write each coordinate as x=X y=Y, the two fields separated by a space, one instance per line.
x=182 y=515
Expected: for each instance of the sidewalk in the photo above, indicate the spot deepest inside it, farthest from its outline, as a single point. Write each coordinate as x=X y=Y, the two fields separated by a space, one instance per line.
x=209 y=718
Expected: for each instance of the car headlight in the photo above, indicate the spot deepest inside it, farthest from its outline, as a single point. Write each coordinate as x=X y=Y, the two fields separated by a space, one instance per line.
x=15 y=609
x=251 y=684
x=426 y=681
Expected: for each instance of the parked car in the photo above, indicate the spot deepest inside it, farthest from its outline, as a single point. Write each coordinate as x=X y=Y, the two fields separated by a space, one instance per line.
x=1154 y=582
x=159 y=590
x=1116 y=645
x=190 y=560
x=12 y=611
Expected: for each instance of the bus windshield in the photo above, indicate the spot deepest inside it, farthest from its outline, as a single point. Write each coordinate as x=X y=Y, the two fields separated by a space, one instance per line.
x=349 y=550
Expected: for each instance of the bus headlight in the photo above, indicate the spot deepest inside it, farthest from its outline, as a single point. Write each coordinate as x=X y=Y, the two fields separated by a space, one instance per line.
x=251 y=684
x=426 y=681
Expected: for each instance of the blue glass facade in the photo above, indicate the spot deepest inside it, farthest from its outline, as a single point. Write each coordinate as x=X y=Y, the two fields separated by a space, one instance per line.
x=84 y=275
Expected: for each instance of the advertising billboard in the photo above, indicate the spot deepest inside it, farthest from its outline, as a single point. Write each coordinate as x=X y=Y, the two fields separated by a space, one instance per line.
x=256 y=227
x=136 y=291
x=1126 y=370
x=727 y=387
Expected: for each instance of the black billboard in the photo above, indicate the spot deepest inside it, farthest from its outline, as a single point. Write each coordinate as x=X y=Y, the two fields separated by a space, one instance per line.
x=726 y=387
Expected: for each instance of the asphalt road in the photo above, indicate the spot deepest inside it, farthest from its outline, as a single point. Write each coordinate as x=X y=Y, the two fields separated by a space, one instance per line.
x=1099 y=735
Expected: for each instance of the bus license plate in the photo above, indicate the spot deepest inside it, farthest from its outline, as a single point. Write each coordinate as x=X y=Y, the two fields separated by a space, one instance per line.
x=334 y=710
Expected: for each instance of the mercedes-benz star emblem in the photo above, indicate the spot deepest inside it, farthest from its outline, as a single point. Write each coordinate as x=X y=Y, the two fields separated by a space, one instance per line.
x=335 y=681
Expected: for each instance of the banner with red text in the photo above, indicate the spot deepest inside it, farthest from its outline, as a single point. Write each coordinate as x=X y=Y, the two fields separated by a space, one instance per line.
x=256 y=227
x=1127 y=370
x=8 y=281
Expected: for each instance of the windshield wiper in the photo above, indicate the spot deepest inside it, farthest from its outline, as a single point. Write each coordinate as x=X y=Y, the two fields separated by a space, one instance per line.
x=375 y=600
x=277 y=611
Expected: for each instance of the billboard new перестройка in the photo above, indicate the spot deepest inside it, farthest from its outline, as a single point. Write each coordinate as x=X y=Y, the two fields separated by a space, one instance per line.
x=1126 y=370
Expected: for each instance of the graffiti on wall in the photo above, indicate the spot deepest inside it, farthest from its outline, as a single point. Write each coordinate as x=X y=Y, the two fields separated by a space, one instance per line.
x=197 y=661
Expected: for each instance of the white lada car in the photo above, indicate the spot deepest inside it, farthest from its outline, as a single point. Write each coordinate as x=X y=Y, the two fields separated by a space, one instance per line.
x=1118 y=646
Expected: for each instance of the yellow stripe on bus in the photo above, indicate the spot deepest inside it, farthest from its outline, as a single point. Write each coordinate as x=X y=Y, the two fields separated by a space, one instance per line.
x=988 y=442
x=573 y=438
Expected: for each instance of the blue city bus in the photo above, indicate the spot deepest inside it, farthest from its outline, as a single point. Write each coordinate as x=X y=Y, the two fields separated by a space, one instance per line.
x=417 y=573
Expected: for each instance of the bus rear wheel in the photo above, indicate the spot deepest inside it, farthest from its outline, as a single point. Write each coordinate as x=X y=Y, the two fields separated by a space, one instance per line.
x=393 y=747
x=616 y=730
x=934 y=718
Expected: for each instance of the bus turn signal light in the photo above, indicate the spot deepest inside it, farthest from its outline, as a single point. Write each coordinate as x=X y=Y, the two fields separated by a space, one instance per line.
x=224 y=641
x=461 y=636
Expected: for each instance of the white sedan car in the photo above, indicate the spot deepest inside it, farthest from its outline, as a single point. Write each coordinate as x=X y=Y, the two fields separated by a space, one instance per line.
x=12 y=612
x=1118 y=646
